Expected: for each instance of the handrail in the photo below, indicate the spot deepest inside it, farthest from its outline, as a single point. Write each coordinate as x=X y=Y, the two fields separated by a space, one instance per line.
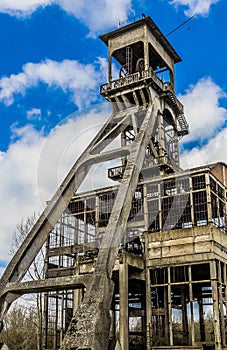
x=132 y=78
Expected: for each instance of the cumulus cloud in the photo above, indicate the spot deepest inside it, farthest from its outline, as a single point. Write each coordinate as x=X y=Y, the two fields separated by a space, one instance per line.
x=207 y=120
x=34 y=114
x=34 y=166
x=213 y=151
x=195 y=7
x=18 y=193
x=69 y=75
x=203 y=110
x=96 y=15
x=22 y=8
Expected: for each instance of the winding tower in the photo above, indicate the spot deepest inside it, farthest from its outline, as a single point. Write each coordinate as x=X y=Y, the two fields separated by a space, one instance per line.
x=140 y=264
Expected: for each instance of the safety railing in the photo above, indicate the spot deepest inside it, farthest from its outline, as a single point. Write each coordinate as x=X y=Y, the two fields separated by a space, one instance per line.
x=133 y=78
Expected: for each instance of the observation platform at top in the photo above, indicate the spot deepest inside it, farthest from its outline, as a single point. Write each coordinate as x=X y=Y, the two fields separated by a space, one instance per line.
x=145 y=57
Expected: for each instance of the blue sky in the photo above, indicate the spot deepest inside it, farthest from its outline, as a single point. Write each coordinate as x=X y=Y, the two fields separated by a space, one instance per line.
x=51 y=65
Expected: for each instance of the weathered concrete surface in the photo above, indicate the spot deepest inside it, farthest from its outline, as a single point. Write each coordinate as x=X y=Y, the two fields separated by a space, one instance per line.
x=89 y=328
x=39 y=233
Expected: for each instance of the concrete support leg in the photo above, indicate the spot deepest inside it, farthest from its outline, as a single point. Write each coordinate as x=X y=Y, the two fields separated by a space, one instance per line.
x=123 y=291
x=170 y=310
x=148 y=302
x=192 y=327
x=184 y=317
x=214 y=285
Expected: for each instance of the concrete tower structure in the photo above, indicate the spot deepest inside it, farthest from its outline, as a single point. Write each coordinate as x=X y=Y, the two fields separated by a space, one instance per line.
x=140 y=264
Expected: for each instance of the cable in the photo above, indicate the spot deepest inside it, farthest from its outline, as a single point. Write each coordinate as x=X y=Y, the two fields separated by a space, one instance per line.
x=182 y=24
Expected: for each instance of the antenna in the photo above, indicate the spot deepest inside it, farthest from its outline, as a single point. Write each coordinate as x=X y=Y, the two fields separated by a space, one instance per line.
x=181 y=25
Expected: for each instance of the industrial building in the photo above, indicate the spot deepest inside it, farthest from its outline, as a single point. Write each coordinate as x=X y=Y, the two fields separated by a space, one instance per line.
x=140 y=264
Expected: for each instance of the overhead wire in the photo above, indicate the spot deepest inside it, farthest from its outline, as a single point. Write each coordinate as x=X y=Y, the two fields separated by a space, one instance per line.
x=180 y=25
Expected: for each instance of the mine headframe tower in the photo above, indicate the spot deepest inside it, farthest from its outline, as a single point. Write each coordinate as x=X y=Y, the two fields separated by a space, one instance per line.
x=148 y=120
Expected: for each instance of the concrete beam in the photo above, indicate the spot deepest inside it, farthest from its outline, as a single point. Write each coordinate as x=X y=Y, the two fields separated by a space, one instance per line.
x=47 y=285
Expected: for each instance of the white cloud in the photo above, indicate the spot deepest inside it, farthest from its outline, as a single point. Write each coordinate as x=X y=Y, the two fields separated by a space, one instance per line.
x=34 y=114
x=22 y=8
x=33 y=167
x=195 y=7
x=18 y=194
x=96 y=15
x=202 y=109
x=207 y=120
x=69 y=75
x=213 y=151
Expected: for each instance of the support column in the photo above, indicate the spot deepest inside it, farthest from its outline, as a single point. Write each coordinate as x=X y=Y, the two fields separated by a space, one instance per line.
x=161 y=135
x=222 y=319
x=209 y=207
x=201 y=319
x=166 y=315
x=123 y=294
x=191 y=307
x=170 y=310
x=148 y=299
x=184 y=316
x=45 y=323
x=214 y=286
x=225 y=284
x=146 y=52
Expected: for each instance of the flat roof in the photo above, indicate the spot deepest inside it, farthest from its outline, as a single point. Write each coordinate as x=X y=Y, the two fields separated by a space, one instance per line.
x=153 y=28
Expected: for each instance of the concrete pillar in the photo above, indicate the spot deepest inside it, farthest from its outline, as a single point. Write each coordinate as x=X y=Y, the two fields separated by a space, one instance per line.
x=201 y=320
x=45 y=322
x=146 y=51
x=209 y=209
x=222 y=318
x=148 y=299
x=170 y=310
x=192 y=332
x=213 y=275
x=225 y=284
x=161 y=135
x=184 y=317
x=166 y=313
x=123 y=293
x=109 y=66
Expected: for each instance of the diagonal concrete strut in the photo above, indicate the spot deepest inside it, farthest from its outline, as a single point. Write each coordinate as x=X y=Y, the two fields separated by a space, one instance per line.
x=39 y=233
x=89 y=328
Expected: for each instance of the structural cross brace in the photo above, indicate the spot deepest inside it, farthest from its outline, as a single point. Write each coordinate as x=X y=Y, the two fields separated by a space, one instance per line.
x=89 y=328
x=95 y=153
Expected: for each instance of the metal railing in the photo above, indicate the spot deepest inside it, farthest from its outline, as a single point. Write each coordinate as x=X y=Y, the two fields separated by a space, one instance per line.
x=133 y=78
